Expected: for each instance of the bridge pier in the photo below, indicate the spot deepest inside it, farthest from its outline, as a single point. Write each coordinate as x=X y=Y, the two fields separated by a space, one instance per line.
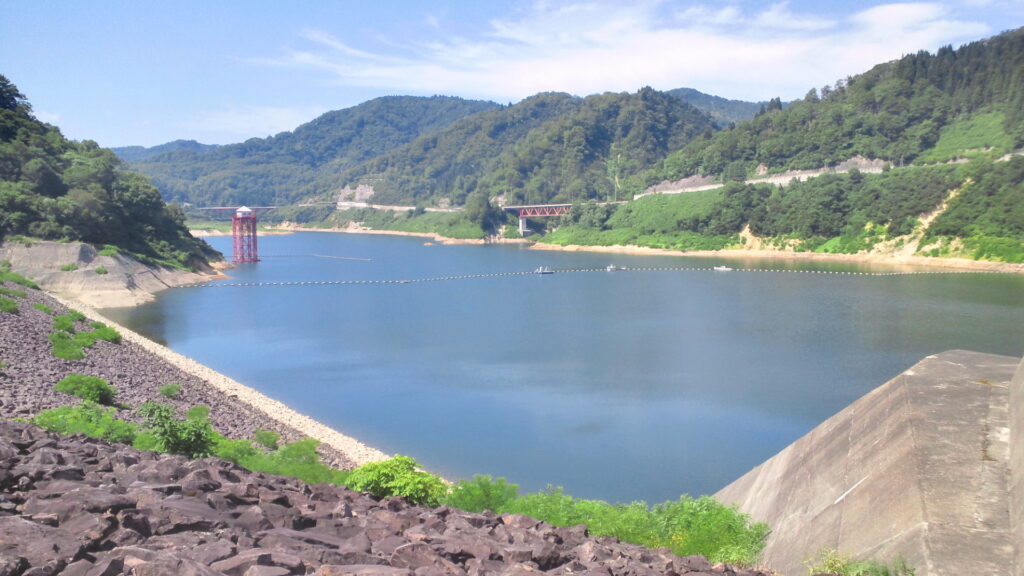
x=522 y=226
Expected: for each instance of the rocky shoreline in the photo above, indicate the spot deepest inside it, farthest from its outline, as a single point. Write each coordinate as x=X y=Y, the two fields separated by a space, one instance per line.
x=81 y=507
x=137 y=368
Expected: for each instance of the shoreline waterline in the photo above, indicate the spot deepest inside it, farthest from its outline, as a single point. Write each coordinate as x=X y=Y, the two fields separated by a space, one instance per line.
x=349 y=447
x=957 y=264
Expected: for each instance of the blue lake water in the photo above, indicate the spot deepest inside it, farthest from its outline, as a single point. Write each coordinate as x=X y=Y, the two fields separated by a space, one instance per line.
x=626 y=385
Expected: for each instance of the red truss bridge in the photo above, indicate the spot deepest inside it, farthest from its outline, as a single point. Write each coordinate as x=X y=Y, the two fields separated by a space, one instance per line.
x=538 y=211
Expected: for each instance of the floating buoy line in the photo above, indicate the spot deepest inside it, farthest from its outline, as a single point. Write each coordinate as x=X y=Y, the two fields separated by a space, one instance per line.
x=545 y=271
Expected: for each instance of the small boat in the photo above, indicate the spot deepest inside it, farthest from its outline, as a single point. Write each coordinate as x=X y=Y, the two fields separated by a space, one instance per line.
x=543 y=270
x=612 y=268
x=722 y=269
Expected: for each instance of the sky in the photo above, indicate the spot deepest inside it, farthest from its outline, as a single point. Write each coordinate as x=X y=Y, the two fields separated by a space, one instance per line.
x=145 y=72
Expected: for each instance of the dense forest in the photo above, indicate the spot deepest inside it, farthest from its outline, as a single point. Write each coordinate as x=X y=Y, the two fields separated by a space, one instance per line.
x=58 y=189
x=548 y=148
x=280 y=169
x=898 y=111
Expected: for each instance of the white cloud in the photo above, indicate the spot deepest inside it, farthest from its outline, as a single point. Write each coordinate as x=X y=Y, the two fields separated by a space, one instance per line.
x=596 y=46
x=779 y=17
x=233 y=124
x=48 y=117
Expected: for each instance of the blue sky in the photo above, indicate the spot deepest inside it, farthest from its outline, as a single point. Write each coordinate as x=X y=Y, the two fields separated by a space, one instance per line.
x=147 y=72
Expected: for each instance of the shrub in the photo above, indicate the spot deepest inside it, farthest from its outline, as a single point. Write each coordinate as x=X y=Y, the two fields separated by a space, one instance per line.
x=398 y=477
x=193 y=437
x=12 y=293
x=8 y=305
x=87 y=418
x=101 y=270
x=88 y=388
x=481 y=493
x=109 y=250
x=69 y=267
x=43 y=308
x=76 y=315
x=65 y=347
x=267 y=438
x=170 y=390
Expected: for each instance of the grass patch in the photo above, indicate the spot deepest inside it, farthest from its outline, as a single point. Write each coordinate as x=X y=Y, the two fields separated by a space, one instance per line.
x=170 y=390
x=101 y=270
x=7 y=276
x=69 y=344
x=88 y=418
x=109 y=250
x=12 y=293
x=830 y=561
x=978 y=136
x=64 y=346
x=8 y=305
x=69 y=267
x=43 y=308
x=686 y=526
x=89 y=388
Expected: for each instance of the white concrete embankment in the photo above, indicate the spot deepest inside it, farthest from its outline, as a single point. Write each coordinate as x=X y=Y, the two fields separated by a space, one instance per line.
x=354 y=450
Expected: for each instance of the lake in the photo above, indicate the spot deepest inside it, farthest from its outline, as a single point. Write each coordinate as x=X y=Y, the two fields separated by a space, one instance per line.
x=623 y=385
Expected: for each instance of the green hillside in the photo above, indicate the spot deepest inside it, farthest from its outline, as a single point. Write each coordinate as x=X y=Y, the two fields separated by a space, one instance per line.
x=547 y=148
x=722 y=110
x=55 y=188
x=922 y=107
x=280 y=169
x=140 y=153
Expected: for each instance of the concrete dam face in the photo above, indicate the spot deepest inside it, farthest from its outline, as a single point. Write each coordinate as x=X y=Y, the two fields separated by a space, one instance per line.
x=928 y=467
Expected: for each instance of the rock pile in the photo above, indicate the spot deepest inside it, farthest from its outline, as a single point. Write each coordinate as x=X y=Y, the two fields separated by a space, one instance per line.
x=82 y=507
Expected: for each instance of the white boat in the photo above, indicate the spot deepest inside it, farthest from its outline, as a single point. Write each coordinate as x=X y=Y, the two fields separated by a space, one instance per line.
x=543 y=270
x=612 y=268
x=723 y=269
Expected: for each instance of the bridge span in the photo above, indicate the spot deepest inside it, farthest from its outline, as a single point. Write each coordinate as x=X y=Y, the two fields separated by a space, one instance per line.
x=538 y=211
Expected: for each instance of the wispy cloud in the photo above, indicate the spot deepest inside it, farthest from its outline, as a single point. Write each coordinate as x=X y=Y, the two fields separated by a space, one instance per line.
x=233 y=124
x=595 y=46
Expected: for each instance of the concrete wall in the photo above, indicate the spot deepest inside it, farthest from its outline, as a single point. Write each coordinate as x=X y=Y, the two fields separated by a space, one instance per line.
x=1017 y=466
x=917 y=468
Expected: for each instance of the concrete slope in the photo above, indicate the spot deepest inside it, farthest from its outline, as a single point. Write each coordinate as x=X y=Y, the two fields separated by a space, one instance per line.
x=1017 y=467
x=919 y=468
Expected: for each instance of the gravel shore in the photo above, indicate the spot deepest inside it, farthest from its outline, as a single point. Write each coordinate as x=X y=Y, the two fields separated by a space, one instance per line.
x=137 y=368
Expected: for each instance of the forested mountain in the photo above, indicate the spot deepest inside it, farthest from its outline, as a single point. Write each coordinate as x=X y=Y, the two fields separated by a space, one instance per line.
x=55 y=188
x=138 y=153
x=279 y=169
x=722 y=110
x=922 y=107
x=548 y=148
